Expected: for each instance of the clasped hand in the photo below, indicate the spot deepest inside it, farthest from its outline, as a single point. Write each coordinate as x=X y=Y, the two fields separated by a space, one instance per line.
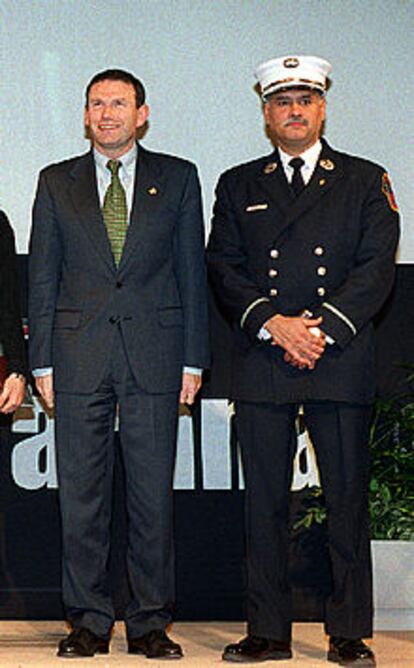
x=303 y=347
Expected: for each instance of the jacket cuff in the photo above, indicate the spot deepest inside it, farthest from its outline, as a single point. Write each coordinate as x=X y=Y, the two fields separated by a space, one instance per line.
x=336 y=324
x=256 y=314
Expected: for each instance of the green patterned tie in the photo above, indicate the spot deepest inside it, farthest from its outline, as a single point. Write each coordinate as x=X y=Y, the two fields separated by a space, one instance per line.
x=115 y=211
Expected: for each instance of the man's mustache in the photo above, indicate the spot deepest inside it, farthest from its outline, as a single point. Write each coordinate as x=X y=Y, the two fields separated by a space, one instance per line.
x=296 y=119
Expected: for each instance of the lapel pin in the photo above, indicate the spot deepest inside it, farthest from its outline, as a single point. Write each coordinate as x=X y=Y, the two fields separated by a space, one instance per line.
x=270 y=167
x=327 y=164
x=322 y=182
x=152 y=191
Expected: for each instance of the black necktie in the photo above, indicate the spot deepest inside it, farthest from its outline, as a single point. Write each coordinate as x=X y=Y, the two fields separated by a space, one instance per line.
x=297 y=182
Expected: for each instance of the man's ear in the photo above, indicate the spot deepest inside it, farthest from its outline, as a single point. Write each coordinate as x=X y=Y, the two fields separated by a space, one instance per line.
x=142 y=115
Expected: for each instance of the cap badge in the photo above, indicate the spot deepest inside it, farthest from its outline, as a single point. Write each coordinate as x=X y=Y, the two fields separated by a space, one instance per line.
x=327 y=164
x=291 y=62
x=270 y=167
x=152 y=191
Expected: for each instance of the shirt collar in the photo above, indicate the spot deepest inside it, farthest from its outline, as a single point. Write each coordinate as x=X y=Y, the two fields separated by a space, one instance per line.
x=310 y=157
x=127 y=160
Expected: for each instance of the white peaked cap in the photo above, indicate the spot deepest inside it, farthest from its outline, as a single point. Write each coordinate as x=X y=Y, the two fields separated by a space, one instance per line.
x=292 y=72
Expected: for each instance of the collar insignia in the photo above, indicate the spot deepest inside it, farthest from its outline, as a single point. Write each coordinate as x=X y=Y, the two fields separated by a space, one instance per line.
x=327 y=164
x=270 y=167
x=152 y=191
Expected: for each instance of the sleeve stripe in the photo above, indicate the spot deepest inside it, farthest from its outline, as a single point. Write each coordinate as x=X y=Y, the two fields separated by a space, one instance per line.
x=250 y=308
x=341 y=315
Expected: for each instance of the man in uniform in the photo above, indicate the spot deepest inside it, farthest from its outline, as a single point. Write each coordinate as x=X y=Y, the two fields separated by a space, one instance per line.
x=301 y=257
x=118 y=310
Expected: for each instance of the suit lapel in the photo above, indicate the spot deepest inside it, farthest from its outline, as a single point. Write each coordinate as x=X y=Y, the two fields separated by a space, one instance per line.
x=149 y=186
x=272 y=180
x=85 y=197
x=328 y=170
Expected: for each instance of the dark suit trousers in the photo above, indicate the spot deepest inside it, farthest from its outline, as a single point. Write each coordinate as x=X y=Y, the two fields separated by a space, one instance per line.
x=339 y=433
x=85 y=452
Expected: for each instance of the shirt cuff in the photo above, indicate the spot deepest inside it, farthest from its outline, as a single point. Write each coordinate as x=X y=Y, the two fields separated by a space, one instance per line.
x=316 y=331
x=195 y=371
x=43 y=371
x=264 y=335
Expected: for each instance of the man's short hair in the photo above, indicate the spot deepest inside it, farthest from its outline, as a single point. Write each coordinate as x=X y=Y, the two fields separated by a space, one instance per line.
x=118 y=75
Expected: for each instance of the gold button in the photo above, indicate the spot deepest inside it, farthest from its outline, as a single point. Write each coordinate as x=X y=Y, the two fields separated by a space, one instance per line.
x=318 y=250
x=274 y=253
x=273 y=292
x=272 y=273
x=321 y=271
x=321 y=292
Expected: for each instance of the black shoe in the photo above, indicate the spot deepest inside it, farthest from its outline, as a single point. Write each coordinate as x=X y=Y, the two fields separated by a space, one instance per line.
x=349 y=652
x=155 y=645
x=253 y=648
x=82 y=642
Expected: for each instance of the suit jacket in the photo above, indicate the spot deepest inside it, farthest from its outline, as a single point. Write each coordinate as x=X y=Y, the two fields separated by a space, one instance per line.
x=11 y=333
x=157 y=294
x=330 y=251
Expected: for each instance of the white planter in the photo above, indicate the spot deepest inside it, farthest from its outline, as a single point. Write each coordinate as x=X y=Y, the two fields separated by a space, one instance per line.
x=393 y=564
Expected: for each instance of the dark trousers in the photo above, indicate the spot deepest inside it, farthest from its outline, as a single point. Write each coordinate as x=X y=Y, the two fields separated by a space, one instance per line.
x=339 y=433
x=85 y=453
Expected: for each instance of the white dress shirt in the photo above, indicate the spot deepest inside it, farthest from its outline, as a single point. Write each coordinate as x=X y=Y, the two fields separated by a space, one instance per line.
x=126 y=174
x=309 y=157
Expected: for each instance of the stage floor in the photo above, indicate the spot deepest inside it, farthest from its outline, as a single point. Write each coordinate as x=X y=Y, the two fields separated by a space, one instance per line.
x=24 y=644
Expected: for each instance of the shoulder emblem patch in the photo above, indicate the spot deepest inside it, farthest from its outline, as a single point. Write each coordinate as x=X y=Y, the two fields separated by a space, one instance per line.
x=388 y=192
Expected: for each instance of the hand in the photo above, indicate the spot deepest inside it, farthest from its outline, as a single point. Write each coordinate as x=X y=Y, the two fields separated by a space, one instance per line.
x=44 y=385
x=191 y=384
x=293 y=334
x=12 y=393
x=290 y=360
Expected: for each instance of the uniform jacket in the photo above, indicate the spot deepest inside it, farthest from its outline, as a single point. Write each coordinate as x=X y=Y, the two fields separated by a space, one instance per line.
x=156 y=295
x=11 y=333
x=330 y=251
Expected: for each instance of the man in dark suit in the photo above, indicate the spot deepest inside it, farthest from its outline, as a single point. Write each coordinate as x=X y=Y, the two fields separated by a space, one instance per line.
x=301 y=256
x=118 y=310
x=12 y=351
